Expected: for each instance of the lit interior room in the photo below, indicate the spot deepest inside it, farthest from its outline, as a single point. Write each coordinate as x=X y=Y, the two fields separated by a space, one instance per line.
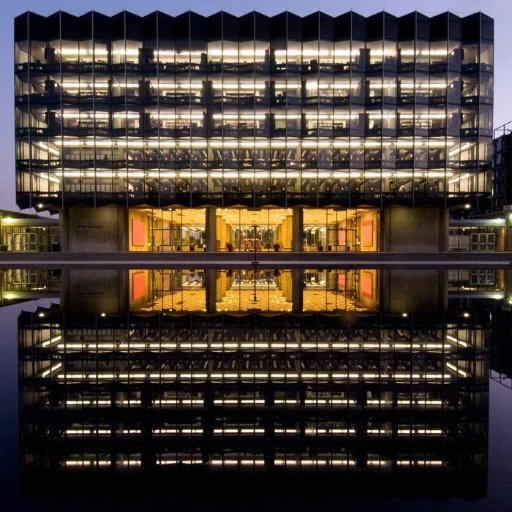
x=167 y=290
x=250 y=289
x=340 y=290
x=254 y=289
x=170 y=229
x=330 y=229
x=243 y=229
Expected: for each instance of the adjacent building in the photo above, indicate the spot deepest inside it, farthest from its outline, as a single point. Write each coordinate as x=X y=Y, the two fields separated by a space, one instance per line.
x=21 y=232
x=315 y=133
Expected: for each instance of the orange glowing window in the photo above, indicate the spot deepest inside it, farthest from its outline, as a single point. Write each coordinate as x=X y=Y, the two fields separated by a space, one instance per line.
x=138 y=232
x=367 y=233
x=138 y=285
x=367 y=285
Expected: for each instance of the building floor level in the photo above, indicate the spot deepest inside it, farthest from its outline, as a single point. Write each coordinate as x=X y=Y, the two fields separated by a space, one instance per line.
x=118 y=229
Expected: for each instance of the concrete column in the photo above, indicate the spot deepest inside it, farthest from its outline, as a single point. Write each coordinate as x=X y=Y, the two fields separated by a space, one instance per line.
x=211 y=290
x=444 y=219
x=101 y=291
x=297 y=286
x=418 y=292
x=63 y=238
x=508 y=232
x=211 y=229
x=507 y=280
x=420 y=229
x=297 y=229
x=89 y=229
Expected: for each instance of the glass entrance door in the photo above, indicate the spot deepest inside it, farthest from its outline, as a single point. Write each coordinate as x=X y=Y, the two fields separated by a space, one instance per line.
x=265 y=229
x=254 y=238
x=26 y=242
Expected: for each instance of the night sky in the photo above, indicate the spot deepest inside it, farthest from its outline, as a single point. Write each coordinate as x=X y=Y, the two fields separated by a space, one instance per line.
x=500 y=10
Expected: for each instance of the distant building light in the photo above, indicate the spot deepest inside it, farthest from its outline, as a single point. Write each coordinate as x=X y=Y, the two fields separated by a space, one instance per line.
x=466 y=314
x=467 y=206
x=405 y=315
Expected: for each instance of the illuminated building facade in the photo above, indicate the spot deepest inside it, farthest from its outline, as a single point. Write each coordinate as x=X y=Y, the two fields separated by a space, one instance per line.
x=218 y=133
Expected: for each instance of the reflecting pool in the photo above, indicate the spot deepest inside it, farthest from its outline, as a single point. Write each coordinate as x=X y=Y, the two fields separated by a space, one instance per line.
x=340 y=386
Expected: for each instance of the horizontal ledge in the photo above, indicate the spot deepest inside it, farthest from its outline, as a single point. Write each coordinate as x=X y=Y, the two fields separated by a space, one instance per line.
x=264 y=260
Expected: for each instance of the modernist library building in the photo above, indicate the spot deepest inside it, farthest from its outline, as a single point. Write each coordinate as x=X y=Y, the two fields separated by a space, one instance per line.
x=316 y=133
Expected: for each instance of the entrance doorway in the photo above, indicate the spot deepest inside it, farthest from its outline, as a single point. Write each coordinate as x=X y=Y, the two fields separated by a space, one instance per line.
x=265 y=229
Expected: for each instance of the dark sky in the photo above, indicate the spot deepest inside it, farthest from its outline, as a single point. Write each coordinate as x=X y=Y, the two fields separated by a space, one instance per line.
x=500 y=10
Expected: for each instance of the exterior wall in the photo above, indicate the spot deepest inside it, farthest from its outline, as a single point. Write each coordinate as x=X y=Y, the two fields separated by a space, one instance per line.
x=87 y=229
x=422 y=229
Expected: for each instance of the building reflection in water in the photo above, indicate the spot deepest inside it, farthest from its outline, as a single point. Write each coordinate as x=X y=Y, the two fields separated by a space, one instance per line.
x=197 y=378
x=249 y=289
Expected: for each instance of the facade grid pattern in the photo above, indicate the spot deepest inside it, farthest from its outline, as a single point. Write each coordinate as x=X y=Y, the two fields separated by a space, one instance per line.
x=252 y=110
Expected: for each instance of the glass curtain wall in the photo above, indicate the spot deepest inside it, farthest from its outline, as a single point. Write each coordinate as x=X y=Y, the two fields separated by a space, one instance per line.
x=330 y=229
x=257 y=392
x=169 y=229
x=252 y=111
x=265 y=229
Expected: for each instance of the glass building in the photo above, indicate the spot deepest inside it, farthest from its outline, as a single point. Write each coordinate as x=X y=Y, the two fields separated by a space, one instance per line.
x=316 y=133
x=502 y=168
